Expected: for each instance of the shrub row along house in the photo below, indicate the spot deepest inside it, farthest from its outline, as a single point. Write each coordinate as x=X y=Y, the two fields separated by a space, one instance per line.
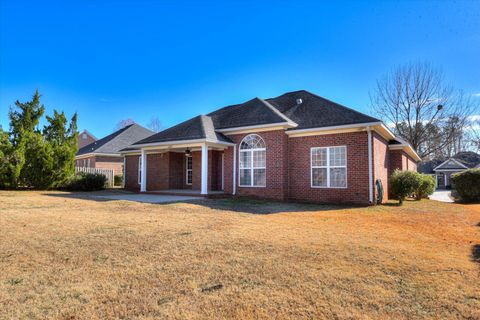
x=297 y=146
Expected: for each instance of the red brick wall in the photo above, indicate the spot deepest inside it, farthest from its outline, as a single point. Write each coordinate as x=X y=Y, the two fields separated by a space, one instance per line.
x=176 y=170
x=104 y=162
x=157 y=171
x=399 y=159
x=357 y=168
x=381 y=164
x=131 y=172
x=84 y=142
x=276 y=158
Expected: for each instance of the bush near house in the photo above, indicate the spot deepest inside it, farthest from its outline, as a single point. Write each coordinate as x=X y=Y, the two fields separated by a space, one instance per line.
x=467 y=185
x=405 y=184
x=87 y=182
x=117 y=180
x=426 y=186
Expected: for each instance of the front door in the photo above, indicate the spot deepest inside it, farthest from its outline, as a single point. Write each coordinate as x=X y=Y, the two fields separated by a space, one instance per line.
x=440 y=181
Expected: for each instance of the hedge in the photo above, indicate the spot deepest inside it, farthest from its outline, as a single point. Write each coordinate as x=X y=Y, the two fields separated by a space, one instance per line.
x=467 y=185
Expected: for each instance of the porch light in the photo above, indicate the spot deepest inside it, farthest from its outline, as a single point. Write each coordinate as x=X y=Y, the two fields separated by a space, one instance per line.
x=188 y=152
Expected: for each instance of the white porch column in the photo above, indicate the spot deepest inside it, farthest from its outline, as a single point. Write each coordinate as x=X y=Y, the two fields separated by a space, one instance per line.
x=370 y=166
x=143 y=179
x=204 y=189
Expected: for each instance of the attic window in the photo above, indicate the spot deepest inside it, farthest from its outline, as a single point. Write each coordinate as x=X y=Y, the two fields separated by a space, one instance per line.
x=84 y=136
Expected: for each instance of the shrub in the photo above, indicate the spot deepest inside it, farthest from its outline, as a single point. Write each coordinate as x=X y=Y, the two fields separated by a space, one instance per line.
x=117 y=180
x=426 y=186
x=404 y=184
x=87 y=182
x=467 y=185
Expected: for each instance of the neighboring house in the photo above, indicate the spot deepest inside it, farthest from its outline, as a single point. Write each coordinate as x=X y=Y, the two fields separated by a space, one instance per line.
x=297 y=146
x=442 y=169
x=85 y=138
x=105 y=153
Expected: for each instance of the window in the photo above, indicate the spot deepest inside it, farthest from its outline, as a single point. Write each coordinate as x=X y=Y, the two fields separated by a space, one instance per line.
x=252 y=162
x=88 y=163
x=329 y=167
x=84 y=136
x=188 y=167
x=139 y=170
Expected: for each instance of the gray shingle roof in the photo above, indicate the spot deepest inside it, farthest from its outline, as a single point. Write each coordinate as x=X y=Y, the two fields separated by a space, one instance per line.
x=315 y=111
x=250 y=113
x=117 y=141
x=467 y=158
x=200 y=127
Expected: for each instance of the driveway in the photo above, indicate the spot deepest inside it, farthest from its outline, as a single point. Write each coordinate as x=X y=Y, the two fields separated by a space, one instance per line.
x=442 y=195
x=146 y=198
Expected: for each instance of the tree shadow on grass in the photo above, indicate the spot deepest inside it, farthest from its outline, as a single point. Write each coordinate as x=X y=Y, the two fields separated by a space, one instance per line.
x=240 y=204
x=476 y=253
x=254 y=206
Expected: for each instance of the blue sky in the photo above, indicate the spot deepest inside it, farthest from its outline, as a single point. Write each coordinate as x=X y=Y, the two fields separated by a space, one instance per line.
x=112 y=60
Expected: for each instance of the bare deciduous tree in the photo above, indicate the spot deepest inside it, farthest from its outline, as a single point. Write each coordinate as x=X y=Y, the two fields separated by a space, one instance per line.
x=123 y=123
x=421 y=108
x=155 y=124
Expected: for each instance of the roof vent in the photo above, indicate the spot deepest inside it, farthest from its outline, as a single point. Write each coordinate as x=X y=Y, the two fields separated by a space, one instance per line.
x=299 y=101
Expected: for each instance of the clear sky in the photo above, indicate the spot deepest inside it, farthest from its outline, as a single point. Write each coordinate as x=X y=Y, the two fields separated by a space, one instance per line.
x=112 y=60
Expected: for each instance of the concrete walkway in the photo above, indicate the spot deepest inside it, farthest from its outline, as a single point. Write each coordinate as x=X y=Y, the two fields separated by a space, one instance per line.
x=442 y=196
x=146 y=198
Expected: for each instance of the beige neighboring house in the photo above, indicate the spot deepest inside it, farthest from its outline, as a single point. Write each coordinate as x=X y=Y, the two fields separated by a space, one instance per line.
x=104 y=153
x=85 y=138
x=443 y=169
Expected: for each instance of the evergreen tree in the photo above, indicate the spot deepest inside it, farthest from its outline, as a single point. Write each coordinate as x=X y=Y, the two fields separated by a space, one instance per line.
x=25 y=119
x=30 y=157
x=63 y=141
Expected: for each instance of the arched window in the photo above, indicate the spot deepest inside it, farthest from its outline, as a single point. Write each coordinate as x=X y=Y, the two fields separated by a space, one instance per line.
x=252 y=162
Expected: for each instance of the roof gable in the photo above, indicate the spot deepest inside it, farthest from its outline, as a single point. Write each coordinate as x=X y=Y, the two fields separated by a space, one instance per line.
x=450 y=164
x=117 y=141
x=199 y=127
x=314 y=111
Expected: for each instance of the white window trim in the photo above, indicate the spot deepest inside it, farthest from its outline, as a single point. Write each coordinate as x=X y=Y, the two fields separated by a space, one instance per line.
x=139 y=170
x=251 y=185
x=187 y=170
x=328 y=167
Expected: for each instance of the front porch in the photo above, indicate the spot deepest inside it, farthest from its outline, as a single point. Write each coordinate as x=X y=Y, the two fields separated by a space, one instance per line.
x=194 y=169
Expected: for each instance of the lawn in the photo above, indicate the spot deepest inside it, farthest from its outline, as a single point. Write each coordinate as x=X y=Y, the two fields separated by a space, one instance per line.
x=63 y=257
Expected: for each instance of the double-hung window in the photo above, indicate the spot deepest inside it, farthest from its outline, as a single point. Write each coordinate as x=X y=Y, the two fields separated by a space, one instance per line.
x=252 y=162
x=188 y=172
x=329 y=167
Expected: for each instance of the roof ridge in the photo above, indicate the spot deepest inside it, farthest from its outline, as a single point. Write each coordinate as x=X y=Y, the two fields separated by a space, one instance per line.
x=340 y=105
x=275 y=110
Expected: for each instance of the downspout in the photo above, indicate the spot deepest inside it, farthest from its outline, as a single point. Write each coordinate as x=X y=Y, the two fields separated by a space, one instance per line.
x=370 y=167
x=234 y=169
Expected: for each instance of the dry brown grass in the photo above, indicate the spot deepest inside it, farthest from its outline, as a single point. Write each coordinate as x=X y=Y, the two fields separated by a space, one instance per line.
x=70 y=258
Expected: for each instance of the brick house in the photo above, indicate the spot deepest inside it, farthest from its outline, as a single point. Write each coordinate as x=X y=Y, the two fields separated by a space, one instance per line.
x=105 y=153
x=85 y=138
x=297 y=146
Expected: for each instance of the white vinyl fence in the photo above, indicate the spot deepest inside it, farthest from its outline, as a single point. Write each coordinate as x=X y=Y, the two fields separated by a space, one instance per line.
x=106 y=172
